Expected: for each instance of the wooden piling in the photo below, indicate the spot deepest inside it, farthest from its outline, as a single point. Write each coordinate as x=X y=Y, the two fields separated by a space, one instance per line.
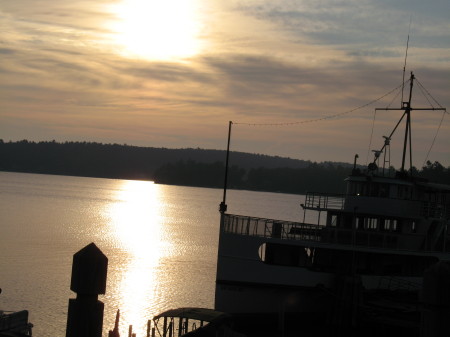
x=85 y=313
x=115 y=331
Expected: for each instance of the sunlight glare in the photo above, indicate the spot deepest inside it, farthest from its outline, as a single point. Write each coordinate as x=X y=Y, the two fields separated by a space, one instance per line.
x=157 y=29
x=138 y=225
x=137 y=219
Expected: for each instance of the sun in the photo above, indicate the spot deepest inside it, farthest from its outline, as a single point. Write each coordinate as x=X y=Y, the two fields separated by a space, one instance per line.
x=157 y=30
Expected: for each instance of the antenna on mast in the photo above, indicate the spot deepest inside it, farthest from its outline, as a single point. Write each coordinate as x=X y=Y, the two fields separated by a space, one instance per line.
x=406 y=56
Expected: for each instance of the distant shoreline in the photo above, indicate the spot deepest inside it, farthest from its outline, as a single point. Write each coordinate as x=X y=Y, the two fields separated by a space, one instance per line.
x=185 y=167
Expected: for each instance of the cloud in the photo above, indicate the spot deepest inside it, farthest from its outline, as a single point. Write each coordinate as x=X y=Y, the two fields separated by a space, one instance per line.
x=266 y=62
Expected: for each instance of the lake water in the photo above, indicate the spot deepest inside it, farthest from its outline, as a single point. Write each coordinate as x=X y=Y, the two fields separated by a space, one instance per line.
x=160 y=240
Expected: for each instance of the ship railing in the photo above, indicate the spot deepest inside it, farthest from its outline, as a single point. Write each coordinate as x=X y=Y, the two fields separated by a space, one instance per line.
x=270 y=228
x=375 y=239
x=323 y=201
x=435 y=210
x=289 y=230
x=397 y=283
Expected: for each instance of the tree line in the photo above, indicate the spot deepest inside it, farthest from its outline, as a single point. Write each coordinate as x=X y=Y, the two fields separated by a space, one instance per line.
x=117 y=160
x=188 y=167
x=315 y=177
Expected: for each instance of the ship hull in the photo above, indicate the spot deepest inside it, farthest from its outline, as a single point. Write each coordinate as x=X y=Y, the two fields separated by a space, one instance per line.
x=241 y=298
x=248 y=283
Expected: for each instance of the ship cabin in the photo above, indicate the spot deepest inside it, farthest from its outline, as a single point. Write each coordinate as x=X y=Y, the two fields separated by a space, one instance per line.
x=387 y=212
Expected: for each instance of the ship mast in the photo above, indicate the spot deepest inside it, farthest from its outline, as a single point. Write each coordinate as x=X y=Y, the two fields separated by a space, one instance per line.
x=407 y=140
x=407 y=108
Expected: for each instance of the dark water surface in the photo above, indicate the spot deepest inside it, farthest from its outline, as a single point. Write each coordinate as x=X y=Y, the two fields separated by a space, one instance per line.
x=161 y=242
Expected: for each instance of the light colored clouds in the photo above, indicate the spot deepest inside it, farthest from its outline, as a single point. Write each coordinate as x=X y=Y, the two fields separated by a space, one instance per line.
x=64 y=76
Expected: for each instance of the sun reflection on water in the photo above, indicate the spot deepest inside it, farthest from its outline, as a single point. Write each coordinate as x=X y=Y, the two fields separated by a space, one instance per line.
x=137 y=223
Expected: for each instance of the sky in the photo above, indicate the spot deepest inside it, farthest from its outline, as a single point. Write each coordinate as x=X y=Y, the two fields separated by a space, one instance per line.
x=298 y=79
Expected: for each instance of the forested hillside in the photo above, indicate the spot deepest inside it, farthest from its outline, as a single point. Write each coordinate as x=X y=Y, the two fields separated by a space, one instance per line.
x=315 y=177
x=115 y=160
x=189 y=167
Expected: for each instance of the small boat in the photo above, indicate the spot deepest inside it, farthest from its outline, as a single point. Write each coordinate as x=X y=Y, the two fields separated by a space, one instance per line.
x=200 y=322
x=378 y=238
x=15 y=324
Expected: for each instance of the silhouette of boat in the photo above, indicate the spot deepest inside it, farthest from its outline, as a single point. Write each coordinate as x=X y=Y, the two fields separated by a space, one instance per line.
x=378 y=239
x=200 y=322
x=15 y=324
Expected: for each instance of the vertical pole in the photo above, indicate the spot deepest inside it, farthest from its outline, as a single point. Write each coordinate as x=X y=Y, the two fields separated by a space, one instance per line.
x=180 y=326
x=223 y=205
x=354 y=164
x=165 y=327
x=410 y=144
x=409 y=120
x=405 y=141
x=149 y=325
x=171 y=328
x=407 y=106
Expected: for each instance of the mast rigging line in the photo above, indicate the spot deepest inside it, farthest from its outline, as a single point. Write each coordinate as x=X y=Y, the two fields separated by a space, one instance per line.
x=423 y=89
x=326 y=117
x=434 y=139
x=371 y=134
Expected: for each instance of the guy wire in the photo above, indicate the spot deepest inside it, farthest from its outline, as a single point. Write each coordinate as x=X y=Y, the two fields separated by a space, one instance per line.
x=322 y=118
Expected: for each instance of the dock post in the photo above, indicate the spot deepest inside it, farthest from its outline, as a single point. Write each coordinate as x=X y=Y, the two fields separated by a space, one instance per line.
x=435 y=315
x=149 y=327
x=115 y=331
x=85 y=313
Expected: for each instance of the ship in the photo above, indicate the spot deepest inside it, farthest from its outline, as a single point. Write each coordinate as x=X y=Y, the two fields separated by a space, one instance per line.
x=365 y=256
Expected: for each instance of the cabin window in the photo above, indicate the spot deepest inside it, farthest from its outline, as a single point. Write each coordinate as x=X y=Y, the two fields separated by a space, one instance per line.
x=364 y=189
x=371 y=223
x=344 y=261
x=330 y=260
x=351 y=190
x=334 y=220
x=383 y=191
x=357 y=188
x=285 y=255
x=405 y=192
x=393 y=191
x=346 y=221
x=390 y=225
x=413 y=227
x=374 y=190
